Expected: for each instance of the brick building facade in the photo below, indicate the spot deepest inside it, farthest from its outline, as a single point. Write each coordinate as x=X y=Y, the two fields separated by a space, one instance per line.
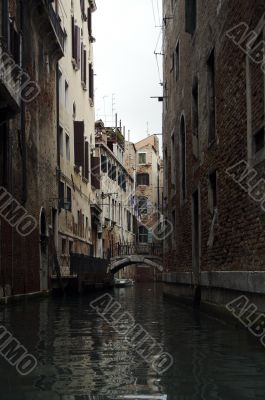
x=213 y=118
x=31 y=45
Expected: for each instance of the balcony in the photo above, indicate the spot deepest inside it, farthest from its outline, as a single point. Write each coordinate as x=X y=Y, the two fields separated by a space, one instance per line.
x=55 y=25
x=10 y=45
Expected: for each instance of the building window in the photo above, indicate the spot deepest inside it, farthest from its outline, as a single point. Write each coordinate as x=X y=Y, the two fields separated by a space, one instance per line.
x=69 y=199
x=183 y=157
x=211 y=98
x=142 y=179
x=61 y=194
x=89 y=22
x=71 y=245
x=79 y=144
x=129 y=222
x=143 y=234
x=76 y=44
x=142 y=205
x=104 y=164
x=195 y=119
x=141 y=158
x=64 y=247
x=91 y=82
x=177 y=63
x=114 y=172
x=61 y=140
x=212 y=191
x=191 y=15
x=67 y=146
x=113 y=210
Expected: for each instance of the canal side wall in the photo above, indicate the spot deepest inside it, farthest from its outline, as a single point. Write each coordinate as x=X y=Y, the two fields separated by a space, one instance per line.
x=216 y=288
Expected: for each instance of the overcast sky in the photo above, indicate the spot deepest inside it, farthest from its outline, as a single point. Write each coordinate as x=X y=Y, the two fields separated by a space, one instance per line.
x=125 y=64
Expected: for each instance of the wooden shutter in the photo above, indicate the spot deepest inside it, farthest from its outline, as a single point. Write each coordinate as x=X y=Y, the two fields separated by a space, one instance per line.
x=104 y=166
x=78 y=47
x=79 y=143
x=82 y=62
x=89 y=22
x=85 y=67
x=73 y=38
x=91 y=82
x=86 y=160
x=95 y=172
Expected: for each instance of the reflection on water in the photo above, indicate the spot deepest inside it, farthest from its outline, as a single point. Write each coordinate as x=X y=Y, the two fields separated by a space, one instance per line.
x=80 y=357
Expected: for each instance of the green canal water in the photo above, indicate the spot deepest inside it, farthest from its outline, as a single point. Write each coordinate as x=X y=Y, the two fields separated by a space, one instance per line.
x=81 y=357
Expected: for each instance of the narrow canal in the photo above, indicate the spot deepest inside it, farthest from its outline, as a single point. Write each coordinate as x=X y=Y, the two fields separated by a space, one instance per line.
x=80 y=357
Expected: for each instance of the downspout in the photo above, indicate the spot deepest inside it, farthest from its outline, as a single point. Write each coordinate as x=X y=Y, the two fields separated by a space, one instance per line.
x=22 y=113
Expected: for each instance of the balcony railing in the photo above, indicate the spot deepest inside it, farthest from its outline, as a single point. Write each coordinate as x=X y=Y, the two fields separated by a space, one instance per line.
x=128 y=249
x=56 y=23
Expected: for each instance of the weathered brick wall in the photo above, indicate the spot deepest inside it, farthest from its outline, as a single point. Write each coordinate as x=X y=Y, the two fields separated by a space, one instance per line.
x=239 y=236
x=20 y=256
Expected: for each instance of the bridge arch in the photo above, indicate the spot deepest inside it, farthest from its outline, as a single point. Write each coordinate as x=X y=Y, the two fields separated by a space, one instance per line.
x=118 y=263
x=136 y=253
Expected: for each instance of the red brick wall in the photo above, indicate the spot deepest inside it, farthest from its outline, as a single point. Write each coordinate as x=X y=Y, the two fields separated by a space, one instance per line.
x=239 y=240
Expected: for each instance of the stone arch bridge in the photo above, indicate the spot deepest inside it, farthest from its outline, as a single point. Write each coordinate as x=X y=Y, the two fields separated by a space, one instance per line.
x=136 y=253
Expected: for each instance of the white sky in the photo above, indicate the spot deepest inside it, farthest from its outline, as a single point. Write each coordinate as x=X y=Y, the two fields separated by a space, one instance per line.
x=125 y=64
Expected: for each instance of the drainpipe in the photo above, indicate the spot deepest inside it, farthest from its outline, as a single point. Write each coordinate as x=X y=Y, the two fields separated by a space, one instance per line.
x=22 y=113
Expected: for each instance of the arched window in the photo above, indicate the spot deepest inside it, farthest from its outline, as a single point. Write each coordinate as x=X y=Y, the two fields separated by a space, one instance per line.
x=143 y=234
x=183 y=157
x=142 y=179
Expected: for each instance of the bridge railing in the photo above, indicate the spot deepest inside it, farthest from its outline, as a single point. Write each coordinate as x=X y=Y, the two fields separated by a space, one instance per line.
x=129 y=249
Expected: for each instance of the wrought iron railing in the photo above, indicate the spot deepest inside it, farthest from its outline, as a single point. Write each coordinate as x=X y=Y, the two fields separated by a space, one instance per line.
x=128 y=249
x=56 y=23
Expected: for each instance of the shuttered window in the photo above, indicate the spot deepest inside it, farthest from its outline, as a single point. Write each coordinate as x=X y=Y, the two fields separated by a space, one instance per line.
x=89 y=22
x=142 y=179
x=86 y=174
x=76 y=44
x=91 y=82
x=104 y=165
x=69 y=198
x=114 y=173
x=73 y=37
x=83 y=65
x=95 y=172
x=123 y=183
x=61 y=194
x=79 y=143
x=109 y=169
